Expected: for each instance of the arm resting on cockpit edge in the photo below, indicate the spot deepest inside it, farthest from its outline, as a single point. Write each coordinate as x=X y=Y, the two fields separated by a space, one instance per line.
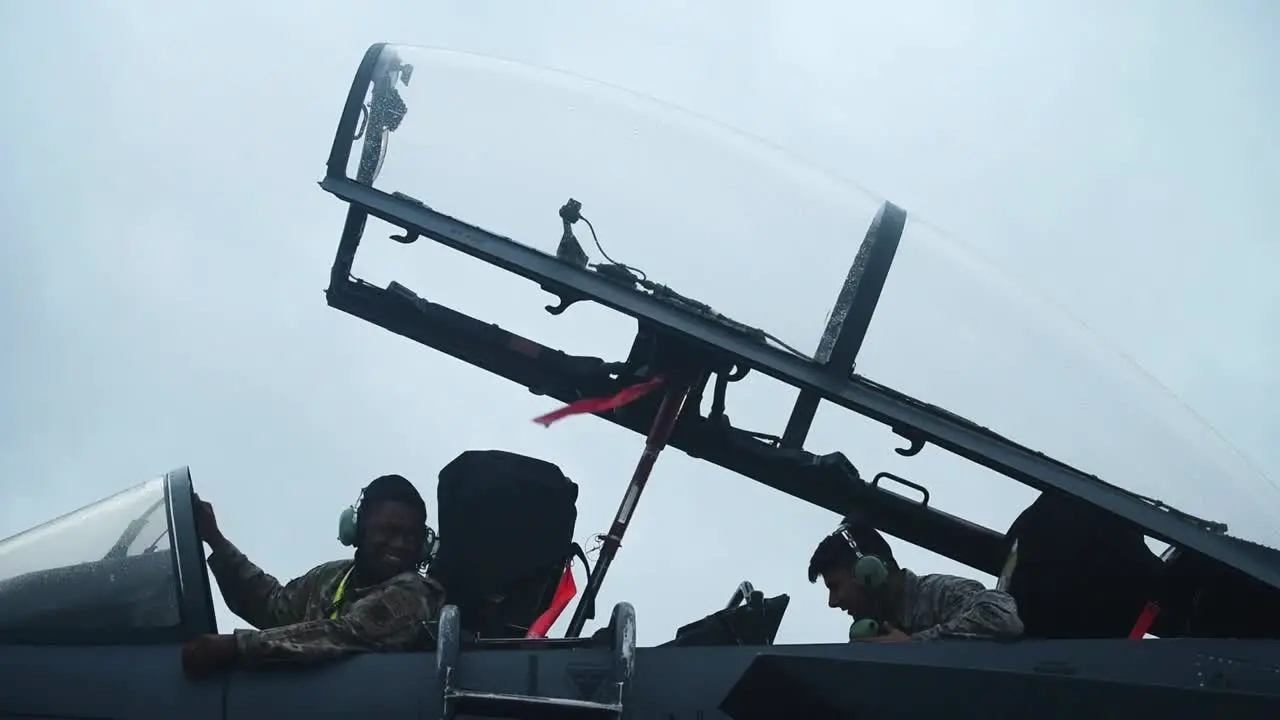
x=960 y=608
x=255 y=596
x=392 y=619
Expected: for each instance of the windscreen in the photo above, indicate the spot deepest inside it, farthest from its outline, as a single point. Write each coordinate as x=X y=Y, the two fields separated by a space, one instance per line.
x=105 y=567
x=767 y=240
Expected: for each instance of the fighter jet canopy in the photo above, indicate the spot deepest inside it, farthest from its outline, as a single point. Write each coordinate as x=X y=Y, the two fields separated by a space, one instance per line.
x=767 y=240
x=108 y=572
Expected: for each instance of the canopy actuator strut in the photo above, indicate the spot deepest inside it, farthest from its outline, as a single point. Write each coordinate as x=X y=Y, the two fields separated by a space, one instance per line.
x=676 y=390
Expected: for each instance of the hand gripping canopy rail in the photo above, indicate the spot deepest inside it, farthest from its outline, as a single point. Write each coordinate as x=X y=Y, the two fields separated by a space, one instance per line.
x=683 y=350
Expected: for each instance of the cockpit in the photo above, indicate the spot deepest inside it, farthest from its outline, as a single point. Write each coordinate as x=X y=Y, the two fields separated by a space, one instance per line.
x=123 y=570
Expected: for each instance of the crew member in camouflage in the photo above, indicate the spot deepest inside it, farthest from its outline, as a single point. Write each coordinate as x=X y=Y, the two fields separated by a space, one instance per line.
x=376 y=602
x=908 y=607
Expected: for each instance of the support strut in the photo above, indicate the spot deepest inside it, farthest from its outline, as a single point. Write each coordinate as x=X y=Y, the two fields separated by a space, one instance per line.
x=674 y=395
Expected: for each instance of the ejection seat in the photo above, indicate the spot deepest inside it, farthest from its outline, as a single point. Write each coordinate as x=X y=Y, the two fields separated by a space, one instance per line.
x=1078 y=572
x=506 y=538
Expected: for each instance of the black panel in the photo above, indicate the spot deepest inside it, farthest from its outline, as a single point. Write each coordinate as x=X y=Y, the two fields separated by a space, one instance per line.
x=119 y=683
x=830 y=689
x=385 y=687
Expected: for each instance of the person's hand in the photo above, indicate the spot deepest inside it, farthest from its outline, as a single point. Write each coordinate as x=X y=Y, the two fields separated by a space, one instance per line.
x=207 y=523
x=890 y=635
x=208 y=655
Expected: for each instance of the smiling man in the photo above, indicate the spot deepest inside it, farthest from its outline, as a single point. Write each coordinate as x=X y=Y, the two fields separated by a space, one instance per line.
x=892 y=604
x=377 y=601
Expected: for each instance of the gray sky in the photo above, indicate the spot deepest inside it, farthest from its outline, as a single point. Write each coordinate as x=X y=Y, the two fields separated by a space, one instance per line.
x=166 y=250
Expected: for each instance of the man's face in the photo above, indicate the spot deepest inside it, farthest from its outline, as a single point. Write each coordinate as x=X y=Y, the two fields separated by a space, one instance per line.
x=844 y=593
x=392 y=542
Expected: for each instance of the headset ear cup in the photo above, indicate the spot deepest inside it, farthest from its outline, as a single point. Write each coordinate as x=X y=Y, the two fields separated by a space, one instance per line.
x=347 y=527
x=870 y=571
x=864 y=628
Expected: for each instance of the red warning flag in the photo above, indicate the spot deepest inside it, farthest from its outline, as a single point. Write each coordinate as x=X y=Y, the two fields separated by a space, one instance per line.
x=564 y=593
x=1146 y=619
x=585 y=406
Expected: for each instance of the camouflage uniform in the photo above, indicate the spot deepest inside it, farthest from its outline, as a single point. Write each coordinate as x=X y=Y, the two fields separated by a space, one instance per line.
x=946 y=607
x=295 y=619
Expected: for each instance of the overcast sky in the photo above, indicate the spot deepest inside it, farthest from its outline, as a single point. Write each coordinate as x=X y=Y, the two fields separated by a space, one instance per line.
x=165 y=251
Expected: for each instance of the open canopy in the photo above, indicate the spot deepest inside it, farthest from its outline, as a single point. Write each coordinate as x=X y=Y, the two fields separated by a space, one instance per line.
x=768 y=240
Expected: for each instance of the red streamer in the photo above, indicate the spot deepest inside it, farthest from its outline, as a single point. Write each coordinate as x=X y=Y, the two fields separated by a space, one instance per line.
x=1146 y=619
x=564 y=594
x=586 y=406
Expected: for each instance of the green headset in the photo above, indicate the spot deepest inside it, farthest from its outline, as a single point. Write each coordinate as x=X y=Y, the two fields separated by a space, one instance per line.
x=869 y=571
x=349 y=531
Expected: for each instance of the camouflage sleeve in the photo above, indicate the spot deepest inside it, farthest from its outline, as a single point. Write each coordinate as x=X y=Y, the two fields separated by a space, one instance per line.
x=960 y=608
x=253 y=595
x=391 y=620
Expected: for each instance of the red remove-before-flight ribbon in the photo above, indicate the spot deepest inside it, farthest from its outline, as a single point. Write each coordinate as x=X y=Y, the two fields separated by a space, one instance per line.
x=564 y=593
x=586 y=406
x=1146 y=619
